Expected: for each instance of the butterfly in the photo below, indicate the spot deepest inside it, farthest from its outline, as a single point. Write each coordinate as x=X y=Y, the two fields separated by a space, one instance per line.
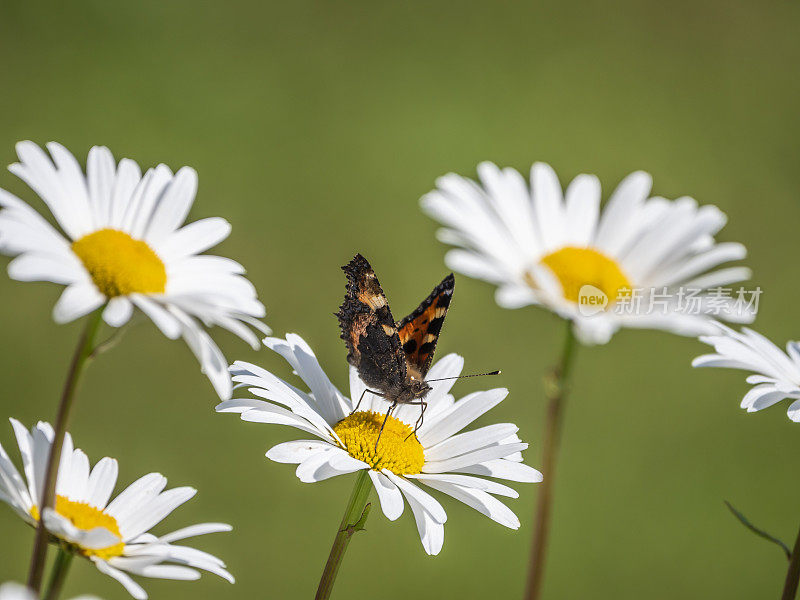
x=391 y=357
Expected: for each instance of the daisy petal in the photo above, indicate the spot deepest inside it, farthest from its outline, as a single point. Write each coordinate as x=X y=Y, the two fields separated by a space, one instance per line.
x=461 y=414
x=350 y=442
x=118 y=312
x=503 y=236
x=76 y=301
x=101 y=482
x=125 y=242
x=295 y=452
x=477 y=499
x=133 y=588
x=46 y=267
x=195 y=530
x=504 y=469
x=389 y=495
x=430 y=528
x=195 y=238
x=412 y=492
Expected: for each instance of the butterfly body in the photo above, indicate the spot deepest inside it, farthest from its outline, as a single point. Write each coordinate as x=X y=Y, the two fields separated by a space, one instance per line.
x=391 y=357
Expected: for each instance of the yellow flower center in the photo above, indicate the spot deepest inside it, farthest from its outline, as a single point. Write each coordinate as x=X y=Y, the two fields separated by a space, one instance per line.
x=88 y=517
x=120 y=265
x=398 y=449
x=576 y=267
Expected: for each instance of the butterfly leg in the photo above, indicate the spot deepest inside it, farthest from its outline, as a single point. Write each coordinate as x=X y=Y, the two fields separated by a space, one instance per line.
x=386 y=418
x=362 y=397
x=423 y=405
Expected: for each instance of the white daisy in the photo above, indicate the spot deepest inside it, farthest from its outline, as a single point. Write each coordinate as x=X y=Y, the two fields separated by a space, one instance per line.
x=113 y=535
x=438 y=457
x=776 y=374
x=540 y=245
x=16 y=591
x=122 y=245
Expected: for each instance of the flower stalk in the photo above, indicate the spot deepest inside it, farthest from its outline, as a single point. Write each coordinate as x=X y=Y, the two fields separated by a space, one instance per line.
x=355 y=515
x=556 y=388
x=59 y=574
x=80 y=358
x=793 y=573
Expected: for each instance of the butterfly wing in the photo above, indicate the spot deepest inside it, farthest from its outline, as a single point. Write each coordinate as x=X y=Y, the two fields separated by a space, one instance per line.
x=420 y=330
x=368 y=329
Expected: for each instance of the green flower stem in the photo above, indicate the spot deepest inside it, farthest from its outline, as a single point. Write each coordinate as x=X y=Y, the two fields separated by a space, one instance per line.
x=556 y=387
x=793 y=574
x=355 y=515
x=80 y=358
x=59 y=574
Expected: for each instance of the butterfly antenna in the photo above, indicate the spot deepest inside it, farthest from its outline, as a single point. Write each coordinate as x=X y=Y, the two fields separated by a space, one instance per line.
x=465 y=376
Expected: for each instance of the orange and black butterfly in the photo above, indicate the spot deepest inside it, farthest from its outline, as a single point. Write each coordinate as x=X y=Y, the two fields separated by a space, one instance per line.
x=391 y=357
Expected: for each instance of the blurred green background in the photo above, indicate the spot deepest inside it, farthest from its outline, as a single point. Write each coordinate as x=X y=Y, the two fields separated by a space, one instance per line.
x=315 y=128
